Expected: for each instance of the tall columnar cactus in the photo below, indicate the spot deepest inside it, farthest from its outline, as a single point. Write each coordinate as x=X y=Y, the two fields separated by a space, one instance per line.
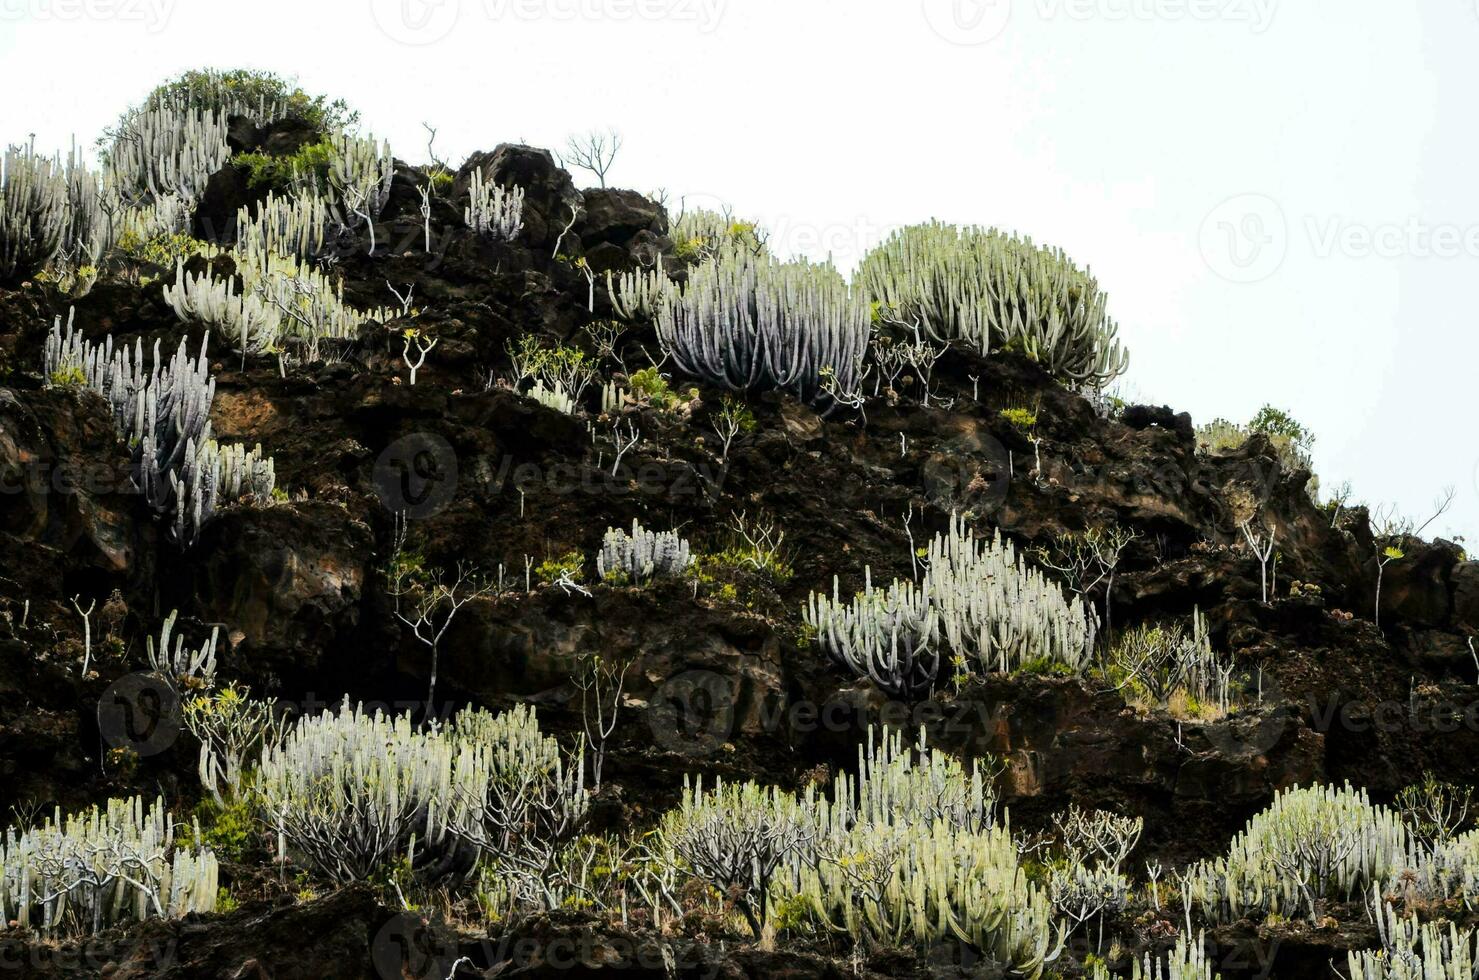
x=515 y=797
x=1411 y=950
x=1187 y=960
x=978 y=605
x=86 y=232
x=747 y=321
x=636 y=295
x=165 y=151
x=348 y=790
x=294 y=225
x=643 y=554
x=493 y=210
x=1310 y=845
x=33 y=212
x=163 y=413
x=990 y=290
x=245 y=320
x=83 y=873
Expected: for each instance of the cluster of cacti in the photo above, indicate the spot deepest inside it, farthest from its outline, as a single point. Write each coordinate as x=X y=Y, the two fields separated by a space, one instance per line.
x=991 y=290
x=978 y=605
x=747 y=321
x=350 y=791
x=1166 y=661
x=1187 y=960
x=700 y=234
x=643 y=554
x=33 y=211
x=163 y=413
x=1438 y=871
x=1416 y=951
x=494 y=210
x=909 y=851
x=165 y=150
x=245 y=319
x=635 y=295
x=515 y=797
x=294 y=224
x=183 y=667
x=283 y=300
x=553 y=397
x=360 y=172
x=91 y=870
x=1310 y=845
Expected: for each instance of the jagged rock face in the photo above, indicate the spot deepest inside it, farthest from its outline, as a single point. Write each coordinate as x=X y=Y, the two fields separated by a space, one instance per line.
x=621 y=229
x=551 y=202
x=288 y=581
x=67 y=487
x=718 y=683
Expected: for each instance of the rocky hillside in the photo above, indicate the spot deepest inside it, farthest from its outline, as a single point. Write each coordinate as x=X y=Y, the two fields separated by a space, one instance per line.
x=389 y=482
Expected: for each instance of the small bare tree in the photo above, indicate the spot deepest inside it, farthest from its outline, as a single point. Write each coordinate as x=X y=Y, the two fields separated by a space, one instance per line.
x=428 y=600
x=594 y=151
x=600 y=683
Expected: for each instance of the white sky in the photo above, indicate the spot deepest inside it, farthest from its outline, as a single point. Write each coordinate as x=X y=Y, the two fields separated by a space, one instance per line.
x=1279 y=195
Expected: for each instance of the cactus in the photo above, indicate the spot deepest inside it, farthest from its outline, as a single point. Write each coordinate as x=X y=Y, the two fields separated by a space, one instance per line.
x=494 y=211
x=351 y=791
x=991 y=290
x=164 y=151
x=636 y=295
x=33 y=212
x=1311 y=844
x=1416 y=951
x=978 y=603
x=180 y=666
x=244 y=320
x=164 y=415
x=101 y=867
x=737 y=837
x=747 y=321
x=643 y=554
x=1186 y=961
x=293 y=225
